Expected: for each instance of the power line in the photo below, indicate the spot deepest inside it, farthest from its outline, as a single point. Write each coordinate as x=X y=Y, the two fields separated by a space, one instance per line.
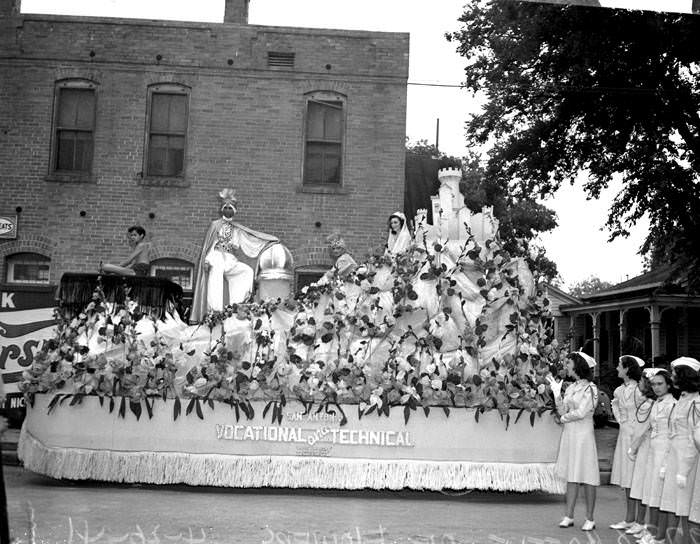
x=551 y=88
x=421 y=84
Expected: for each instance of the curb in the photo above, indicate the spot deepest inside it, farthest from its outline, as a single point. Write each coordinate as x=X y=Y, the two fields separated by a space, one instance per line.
x=9 y=458
x=9 y=441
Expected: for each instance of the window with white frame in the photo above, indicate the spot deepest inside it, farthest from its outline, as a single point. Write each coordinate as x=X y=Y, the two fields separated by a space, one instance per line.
x=176 y=270
x=31 y=268
x=74 y=127
x=166 y=136
x=323 y=138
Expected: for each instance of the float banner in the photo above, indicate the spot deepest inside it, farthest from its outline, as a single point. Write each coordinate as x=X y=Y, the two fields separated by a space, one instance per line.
x=674 y=6
x=437 y=451
x=26 y=320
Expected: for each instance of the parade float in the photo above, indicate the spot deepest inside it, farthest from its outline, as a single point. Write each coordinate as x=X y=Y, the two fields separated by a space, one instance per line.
x=424 y=368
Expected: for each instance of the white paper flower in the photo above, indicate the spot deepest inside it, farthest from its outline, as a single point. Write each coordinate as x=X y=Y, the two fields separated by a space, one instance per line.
x=404 y=365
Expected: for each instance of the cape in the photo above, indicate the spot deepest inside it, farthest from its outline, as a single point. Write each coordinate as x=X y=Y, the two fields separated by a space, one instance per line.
x=253 y=243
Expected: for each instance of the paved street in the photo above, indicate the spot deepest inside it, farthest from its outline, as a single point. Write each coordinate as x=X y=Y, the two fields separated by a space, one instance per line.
x=47 y=511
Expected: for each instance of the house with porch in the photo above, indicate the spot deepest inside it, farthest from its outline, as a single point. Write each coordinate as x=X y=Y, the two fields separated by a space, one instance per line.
x=653 y=316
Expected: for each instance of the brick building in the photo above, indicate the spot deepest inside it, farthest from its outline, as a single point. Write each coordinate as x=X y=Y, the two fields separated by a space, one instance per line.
x=110 y=122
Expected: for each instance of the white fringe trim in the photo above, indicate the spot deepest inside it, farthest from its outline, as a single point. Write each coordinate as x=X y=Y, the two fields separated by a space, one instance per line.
x=282 y=471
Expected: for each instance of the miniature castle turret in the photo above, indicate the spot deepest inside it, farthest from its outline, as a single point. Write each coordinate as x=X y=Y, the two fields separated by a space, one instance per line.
x=451 y=217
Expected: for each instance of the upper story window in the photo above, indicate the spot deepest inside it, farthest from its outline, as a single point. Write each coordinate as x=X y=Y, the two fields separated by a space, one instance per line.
x=175 y=270
x=27 y=268
x=324 y=136
x=167 y=130
x=74 y=127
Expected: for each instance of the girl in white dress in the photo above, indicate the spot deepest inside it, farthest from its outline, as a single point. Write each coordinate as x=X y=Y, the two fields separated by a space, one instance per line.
x=681 y=463
x=694 y=508
x=639 y=452
x=659 y=447
x=626 y=399
x=577 y=461
x=399 y=236
x=694 y=514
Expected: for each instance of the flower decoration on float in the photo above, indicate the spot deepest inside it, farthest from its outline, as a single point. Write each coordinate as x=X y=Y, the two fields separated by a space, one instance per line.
x=400 y=332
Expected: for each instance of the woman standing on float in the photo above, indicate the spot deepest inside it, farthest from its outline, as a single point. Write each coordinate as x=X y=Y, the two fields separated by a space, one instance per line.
x=659 y=448
x=577 y=461
x=681 y=464
x=626 y=399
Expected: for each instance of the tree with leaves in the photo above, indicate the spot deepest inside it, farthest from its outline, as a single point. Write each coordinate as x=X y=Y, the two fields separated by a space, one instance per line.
x=604 y=91
x=589 y=286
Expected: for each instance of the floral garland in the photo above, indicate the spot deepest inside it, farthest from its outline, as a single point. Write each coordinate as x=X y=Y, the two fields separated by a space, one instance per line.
x=343 y=320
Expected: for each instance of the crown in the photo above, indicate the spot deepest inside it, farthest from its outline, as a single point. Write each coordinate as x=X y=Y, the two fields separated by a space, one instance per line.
x=335 y=241
x=228 y=196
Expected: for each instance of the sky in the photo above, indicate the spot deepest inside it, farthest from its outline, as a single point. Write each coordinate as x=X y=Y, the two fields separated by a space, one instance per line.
x=578 y=245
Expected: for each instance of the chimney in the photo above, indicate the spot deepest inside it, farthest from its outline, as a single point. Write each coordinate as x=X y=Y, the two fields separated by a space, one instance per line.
x=10 y=8
x=236 y=11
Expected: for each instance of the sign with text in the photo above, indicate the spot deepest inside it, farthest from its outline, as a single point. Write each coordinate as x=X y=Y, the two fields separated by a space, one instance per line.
x=301 y=447
x=26 y=320
x=8 y=226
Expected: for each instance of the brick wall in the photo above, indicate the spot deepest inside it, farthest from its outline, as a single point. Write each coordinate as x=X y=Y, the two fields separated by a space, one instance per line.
x=245 y=130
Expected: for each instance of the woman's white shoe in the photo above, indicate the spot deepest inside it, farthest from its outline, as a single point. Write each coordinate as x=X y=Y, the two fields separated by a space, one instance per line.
x=588 y=525
x=621 y=525
x=566 y=522
x=635 y=528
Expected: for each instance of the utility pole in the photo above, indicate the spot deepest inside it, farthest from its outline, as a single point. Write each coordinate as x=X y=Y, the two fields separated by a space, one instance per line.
x=437 y=136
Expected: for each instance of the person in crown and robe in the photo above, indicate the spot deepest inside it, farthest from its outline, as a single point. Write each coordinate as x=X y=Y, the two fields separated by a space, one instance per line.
x=225 y=244
x=344 y=264
x=399 y=238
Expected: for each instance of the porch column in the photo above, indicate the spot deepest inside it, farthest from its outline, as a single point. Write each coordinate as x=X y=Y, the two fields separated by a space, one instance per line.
x=623 y=330
x=595 y=316
x=611 y=345
x=572 y=333
x=655 y=327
